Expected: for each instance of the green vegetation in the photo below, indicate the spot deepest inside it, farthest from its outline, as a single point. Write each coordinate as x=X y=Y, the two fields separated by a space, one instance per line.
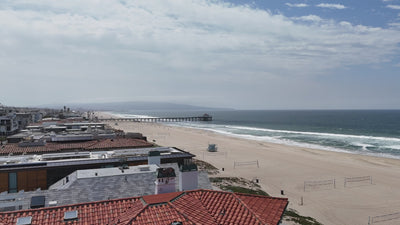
x=237 y=180
x=292 y=215
x=201 y=165
x=243 y=190
x=3 y=138
x=238 y=184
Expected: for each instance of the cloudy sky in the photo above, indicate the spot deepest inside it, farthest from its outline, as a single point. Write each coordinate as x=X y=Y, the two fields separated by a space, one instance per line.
x=275 y=54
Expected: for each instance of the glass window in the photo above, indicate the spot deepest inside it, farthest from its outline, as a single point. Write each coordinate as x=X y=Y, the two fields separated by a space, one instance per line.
x=12 y=183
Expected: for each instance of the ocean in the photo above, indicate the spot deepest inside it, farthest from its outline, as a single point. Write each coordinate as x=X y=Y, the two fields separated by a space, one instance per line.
x=367 y=132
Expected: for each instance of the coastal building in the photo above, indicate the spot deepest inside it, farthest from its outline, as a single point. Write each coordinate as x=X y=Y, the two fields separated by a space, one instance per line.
x=56 y=125
x=100 y=184
x=13 y=119
x=184 y=207
x=8 y=124
x=43 y=167
x=165 y=182
x=23 y=119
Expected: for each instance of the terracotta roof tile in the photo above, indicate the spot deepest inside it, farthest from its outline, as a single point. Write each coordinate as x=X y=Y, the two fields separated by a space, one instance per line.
x=158 y=215
x=194 y=210
x=226 y=208
x=103 y=144
x=119 y=143
x=160 y=198
x=131 y=213
x=265 y=210
x=103 y=212
x=205 y=207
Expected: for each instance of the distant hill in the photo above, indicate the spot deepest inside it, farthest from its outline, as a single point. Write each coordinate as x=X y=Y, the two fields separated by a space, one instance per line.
x=131 y=106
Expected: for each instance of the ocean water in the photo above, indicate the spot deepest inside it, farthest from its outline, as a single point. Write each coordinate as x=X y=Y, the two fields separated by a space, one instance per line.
x=369 y=132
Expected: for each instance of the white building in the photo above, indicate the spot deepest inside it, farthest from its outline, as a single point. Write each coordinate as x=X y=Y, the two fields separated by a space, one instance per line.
x=8 y=124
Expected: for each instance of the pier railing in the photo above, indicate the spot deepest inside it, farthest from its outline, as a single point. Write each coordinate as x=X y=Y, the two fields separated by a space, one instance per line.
x=160 y=119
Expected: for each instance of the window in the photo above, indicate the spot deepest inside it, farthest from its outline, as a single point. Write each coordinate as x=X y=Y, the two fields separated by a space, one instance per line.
x=12 y=183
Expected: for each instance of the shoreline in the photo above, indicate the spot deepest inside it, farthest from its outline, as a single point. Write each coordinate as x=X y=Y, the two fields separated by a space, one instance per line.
x=277 y=141
x=293 y=143
x=286 y=168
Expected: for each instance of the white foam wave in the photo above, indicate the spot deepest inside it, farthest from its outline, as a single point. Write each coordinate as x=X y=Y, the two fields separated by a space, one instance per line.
x=364 y=146
x=277 y=141
x=318 y=134
x=229 y=131
x=397 y=147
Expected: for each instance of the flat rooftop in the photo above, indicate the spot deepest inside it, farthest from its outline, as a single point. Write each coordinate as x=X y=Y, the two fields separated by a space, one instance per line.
x=86 y=158
x=86 y=186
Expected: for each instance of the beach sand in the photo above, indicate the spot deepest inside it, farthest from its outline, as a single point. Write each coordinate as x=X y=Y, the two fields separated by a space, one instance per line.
x=286 y=168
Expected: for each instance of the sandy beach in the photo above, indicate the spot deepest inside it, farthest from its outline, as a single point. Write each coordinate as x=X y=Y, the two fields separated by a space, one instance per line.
x=286 y=168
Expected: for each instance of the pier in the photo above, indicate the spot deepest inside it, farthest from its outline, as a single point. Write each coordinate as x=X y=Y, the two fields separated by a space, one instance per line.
x=205 y=117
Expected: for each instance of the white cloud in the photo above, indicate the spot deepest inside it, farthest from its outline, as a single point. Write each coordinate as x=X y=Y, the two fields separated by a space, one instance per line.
x=331 y=6
x=299 y=5
x=310 y=18
x=167 y=48
x=394 y=25
x=393 y=6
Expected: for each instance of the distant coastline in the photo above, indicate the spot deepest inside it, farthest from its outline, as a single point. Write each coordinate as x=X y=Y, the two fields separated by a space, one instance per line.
x=137 y=105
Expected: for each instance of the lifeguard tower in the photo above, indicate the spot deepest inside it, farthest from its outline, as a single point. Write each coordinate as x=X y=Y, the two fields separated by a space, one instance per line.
x=212 y=147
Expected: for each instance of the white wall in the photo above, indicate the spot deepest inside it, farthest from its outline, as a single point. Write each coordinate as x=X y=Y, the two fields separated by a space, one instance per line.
x=165 y=185
x=188 y=180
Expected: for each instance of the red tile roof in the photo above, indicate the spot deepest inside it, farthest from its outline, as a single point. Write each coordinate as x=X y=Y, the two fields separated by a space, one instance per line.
x=163 y=214
x=161 y=198
x=103 y=144
x=190 y=207
x=118 y=143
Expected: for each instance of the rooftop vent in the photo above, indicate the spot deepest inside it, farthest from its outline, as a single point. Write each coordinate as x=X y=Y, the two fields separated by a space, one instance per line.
x=24 y=220
x=71 y=215
x=176 y=223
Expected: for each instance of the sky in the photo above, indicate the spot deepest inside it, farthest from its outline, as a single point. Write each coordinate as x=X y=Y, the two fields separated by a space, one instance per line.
x=275 y=54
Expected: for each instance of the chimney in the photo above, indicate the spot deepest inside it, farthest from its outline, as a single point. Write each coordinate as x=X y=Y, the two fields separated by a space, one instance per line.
x=165 y=181
x=154 y=157
x=188 y=176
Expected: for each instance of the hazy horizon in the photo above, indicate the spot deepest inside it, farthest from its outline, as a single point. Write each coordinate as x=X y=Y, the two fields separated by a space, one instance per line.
x=167 y=106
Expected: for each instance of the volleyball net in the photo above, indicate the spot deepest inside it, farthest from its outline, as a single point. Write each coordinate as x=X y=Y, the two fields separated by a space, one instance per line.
x=319 y=185
x=357 y=180
x=246 y=163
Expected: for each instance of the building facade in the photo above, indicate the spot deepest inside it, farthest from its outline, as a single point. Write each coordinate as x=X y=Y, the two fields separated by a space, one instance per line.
x=8 y=124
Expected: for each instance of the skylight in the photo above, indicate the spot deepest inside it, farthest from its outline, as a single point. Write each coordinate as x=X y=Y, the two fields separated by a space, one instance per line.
x=71 y=215
x=24 y=220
